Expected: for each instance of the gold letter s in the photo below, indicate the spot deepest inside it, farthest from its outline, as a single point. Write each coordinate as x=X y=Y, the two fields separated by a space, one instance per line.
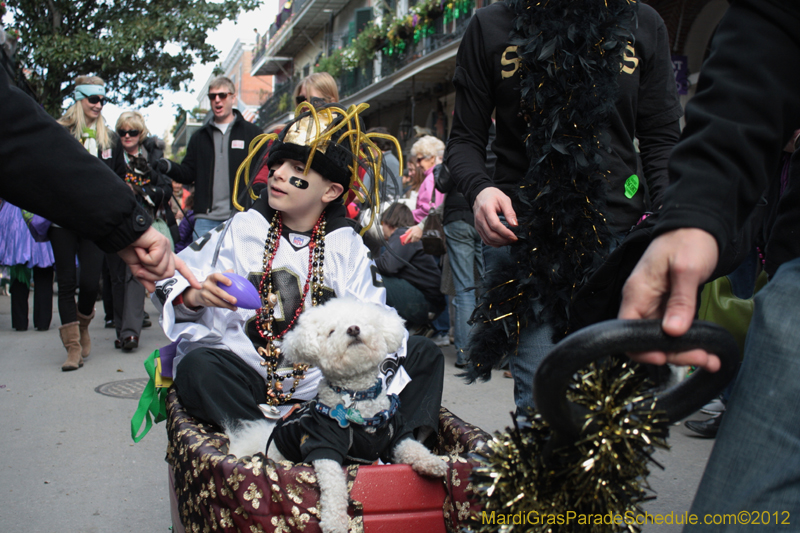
x=515 y=61
x=629 y=57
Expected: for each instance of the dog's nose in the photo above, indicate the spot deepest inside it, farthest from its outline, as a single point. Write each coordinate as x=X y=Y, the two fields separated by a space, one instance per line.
x=353 y=331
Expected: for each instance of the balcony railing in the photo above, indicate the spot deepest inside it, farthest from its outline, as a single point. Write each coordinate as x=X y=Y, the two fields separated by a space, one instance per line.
x=283 y=21
x=353 y=81
x=359 y=78
x=443 y=34
x=280 y=103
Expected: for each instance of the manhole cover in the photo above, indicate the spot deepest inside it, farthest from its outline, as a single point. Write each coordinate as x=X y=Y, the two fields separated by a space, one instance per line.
x=130 y=389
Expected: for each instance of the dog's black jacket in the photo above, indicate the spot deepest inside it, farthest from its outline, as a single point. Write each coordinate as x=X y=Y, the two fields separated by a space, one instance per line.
x=307 y=435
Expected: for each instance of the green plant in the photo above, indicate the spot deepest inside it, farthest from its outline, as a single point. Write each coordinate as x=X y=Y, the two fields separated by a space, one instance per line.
x=392 y=34
x=283 y=103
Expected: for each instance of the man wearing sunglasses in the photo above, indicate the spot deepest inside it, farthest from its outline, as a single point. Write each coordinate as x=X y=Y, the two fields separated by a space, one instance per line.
x=213 y=155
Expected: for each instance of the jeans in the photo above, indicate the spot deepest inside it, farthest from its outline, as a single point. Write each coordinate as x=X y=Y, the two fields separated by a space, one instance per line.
x=441 y=324
x=535 y=340
x=743 y=279
x=463 y=251
x=204 y=225
x=408 y=301
x=755 y=463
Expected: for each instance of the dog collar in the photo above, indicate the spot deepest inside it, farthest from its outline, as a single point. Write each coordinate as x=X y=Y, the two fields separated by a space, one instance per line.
x=346 y=415
x=368 y=394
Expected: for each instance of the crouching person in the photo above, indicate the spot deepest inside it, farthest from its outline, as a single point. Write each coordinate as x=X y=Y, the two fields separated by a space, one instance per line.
x=298 y=249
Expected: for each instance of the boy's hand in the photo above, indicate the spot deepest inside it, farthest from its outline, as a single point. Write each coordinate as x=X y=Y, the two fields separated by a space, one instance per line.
x=211 y=295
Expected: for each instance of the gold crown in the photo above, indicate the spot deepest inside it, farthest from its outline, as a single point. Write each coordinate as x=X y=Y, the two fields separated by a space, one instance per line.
x=315 y=129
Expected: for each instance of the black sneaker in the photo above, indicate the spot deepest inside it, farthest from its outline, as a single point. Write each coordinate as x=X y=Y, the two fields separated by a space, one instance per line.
x=110 y=324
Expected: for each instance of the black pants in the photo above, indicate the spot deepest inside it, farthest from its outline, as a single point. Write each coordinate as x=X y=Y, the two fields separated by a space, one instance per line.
x=42 y=300
x=216 y=386
x=66 y=245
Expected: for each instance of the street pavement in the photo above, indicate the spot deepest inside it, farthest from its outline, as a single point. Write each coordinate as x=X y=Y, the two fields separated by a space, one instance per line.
x=68 y=462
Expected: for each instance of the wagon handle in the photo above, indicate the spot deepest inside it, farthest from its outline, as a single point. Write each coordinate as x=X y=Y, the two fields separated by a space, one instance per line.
x=620 y=336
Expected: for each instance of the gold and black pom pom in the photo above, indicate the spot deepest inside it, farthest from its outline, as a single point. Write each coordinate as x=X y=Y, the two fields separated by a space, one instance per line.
x=533 y=480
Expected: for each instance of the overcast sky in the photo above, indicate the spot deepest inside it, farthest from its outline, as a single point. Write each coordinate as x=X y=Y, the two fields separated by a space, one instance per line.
x=160 y=117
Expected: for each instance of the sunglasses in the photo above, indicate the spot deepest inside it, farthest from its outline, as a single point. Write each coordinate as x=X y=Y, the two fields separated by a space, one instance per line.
x=316 y=101
x=128 y=133
x=221 y=96
x=95 y=99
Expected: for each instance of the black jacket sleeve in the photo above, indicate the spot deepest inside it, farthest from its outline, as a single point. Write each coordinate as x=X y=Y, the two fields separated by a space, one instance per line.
x=745 y=108
x=784 y=238
x=186 y=170
x=391 y=264
x=466 y=149
x=66 y=185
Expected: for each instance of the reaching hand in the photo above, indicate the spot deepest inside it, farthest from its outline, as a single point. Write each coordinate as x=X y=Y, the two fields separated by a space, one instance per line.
x=211 y=294
x=664 y=284
x=412 y=234
x=151 y=259
x=489 y=203
x=163 y=165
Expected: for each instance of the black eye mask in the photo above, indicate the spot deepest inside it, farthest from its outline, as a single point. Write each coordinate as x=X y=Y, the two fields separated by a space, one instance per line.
x=298 y=182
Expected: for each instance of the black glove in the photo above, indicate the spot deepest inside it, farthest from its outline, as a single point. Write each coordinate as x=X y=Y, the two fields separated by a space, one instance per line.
x=163 y=166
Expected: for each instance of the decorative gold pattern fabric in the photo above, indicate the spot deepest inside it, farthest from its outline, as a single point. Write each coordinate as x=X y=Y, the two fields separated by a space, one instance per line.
x=217 y=492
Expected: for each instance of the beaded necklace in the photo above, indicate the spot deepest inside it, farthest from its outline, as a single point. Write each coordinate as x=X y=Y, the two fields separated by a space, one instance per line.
x=265 y=316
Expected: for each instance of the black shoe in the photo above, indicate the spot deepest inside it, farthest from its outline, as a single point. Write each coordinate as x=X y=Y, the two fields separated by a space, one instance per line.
x=110 y=324
x=117 y=344
x=146 y=315
x=130 y=343
x=706 y=429
x=146 y=323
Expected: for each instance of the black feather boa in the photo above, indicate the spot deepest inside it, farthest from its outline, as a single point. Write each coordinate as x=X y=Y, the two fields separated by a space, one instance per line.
x=571 y=53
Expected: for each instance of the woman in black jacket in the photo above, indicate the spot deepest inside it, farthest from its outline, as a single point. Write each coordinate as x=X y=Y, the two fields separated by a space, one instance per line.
x=140 y=154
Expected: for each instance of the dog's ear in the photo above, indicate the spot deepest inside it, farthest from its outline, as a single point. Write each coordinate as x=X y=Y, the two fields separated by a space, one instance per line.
x=302 y=343
x=394 y=329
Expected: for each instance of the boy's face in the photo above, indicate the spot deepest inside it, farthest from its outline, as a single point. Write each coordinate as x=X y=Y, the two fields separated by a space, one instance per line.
x=294 y=193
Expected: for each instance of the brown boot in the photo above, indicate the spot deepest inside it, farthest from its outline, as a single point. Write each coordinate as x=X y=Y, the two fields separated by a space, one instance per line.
x=86 y=342
x=70 y=337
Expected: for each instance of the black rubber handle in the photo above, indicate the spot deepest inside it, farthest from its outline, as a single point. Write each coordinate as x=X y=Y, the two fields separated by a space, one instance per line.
x=619 y=336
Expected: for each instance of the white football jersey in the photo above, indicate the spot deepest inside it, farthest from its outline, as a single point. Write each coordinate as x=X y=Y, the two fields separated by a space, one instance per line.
x=238 y=245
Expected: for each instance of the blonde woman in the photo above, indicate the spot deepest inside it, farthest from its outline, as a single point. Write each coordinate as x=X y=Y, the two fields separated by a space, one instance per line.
x=140 y=153
x=85 y=122
x=319 y=85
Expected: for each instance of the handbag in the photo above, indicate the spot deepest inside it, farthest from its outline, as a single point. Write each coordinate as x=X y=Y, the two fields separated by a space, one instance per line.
x=719 y=305
x=433 y=231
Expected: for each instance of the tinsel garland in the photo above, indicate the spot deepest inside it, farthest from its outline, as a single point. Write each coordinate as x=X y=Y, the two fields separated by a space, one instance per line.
x=524 y=485
x=571 y=53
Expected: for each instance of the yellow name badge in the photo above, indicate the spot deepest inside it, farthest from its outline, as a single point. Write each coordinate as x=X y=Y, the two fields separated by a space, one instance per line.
x=161 y=381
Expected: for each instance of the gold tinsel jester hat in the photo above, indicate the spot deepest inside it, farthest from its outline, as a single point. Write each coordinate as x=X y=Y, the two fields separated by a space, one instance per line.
x=331 y=141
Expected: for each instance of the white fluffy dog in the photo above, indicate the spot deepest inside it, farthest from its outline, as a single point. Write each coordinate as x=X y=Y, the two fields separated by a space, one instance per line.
x=347 y=340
